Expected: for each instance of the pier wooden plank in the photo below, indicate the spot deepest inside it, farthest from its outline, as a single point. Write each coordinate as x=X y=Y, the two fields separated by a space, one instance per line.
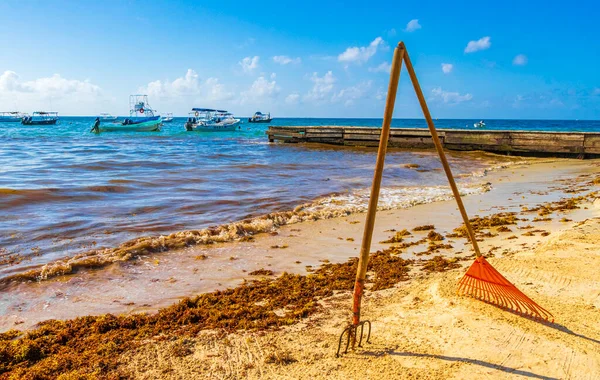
x=571 y=144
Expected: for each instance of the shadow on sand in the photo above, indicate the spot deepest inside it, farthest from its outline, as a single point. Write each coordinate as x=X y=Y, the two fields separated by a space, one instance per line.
x=512 y=371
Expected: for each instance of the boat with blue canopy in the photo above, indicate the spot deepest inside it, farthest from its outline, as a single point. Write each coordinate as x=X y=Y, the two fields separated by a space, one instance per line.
x=211 y=120
x=141 y=118
x=41 y=118
x=12 y=117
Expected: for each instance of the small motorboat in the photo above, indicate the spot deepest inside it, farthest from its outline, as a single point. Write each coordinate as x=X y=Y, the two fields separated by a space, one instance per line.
x=210 y=120
x=107 y=118
x=141 y=118
x=41 y=118
x=12 y=117
x=168 y=117
x=481 y=124
x=260 y=117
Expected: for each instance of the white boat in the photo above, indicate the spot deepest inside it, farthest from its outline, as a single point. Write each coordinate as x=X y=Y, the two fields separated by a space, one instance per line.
x=260 y=117
x=481 y=124
x=168 y=117
x=41 y=118
x=210 y=120
x=141 y=118
x=12 y=117
x=106 y=117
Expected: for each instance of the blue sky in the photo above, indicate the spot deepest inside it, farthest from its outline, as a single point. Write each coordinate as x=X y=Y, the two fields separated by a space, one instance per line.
x=514 y=59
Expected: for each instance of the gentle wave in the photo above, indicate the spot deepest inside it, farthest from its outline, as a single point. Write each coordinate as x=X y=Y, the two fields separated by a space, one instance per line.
x=325 y=208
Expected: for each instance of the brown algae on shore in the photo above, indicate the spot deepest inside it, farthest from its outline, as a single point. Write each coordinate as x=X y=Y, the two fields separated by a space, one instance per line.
x=91 y=345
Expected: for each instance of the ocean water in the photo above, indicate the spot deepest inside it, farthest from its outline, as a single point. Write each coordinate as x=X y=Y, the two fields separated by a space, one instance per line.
x=65 y=191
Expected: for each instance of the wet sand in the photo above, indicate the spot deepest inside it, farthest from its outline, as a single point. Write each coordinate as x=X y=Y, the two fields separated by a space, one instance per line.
x=153 y=281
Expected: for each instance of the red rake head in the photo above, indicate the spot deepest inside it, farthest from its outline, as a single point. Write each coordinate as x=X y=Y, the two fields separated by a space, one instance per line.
x=485 y=283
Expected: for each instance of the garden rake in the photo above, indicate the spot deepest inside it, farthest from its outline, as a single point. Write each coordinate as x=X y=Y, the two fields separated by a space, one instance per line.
x=481 y=281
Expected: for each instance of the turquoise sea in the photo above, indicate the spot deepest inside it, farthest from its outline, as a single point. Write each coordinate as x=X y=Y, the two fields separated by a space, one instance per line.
x=64 y=190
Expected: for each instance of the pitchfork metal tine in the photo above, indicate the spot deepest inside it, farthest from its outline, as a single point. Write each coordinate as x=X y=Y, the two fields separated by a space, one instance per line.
x=352 y=330
x=347 y=329
x=362 y=326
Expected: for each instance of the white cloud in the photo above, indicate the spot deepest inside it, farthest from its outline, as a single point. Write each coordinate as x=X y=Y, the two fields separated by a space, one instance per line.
x=392 y=32
x=360 y=54
x=381 y=94
x=383 y=67
x=293 y=98
x=447 y=68
x=481 y=44
x=188 y=85
x=520 y=60
x=437 y=94
x=53 y=93
x=322 y=86
x=261 y=88
x=350 y=95
x=213 y=90
x=413 y=25
x=284 y=59
x=55 y=86
x=249 y=64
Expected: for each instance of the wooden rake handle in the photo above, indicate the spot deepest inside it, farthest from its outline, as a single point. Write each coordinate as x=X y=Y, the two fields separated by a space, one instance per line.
x=440 y=149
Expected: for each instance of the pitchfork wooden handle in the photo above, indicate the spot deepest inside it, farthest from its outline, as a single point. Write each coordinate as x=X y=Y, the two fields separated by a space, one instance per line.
x=440 y=149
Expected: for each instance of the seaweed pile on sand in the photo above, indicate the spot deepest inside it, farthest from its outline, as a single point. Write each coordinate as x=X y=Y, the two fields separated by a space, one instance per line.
x=91 y=346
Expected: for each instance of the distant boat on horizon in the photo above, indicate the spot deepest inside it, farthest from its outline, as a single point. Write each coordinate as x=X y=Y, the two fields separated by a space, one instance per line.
x=12 y=116
x=41 y=118
x=106 y=117
x=260 y=117
x=168 y=117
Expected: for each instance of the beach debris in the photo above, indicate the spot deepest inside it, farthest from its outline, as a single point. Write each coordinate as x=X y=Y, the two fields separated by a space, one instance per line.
x=91 y=346
x=261 y=272
x=277 y=246
x=434 y=236
x=440 y=264
x=425 y=227
x=397 y=238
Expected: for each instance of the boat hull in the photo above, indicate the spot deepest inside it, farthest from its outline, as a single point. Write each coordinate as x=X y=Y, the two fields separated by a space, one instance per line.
x=167 y=120
x=10 y=119
x=148 y=126
x=39 y=122
x=250 y=120
x=190 y=127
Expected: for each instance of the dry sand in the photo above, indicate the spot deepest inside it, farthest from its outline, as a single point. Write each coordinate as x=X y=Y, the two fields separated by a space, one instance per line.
x=422 y=329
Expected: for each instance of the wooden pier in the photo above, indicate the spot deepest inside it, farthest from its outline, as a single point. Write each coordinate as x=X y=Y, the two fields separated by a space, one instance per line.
x=526 y=143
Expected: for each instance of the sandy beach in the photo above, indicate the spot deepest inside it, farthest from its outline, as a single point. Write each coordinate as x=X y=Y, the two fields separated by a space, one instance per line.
x=421 y=328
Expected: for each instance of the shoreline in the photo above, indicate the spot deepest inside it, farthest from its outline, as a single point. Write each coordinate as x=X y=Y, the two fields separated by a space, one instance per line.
x=572 y=178
x=332 y=205
x=150 y=282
